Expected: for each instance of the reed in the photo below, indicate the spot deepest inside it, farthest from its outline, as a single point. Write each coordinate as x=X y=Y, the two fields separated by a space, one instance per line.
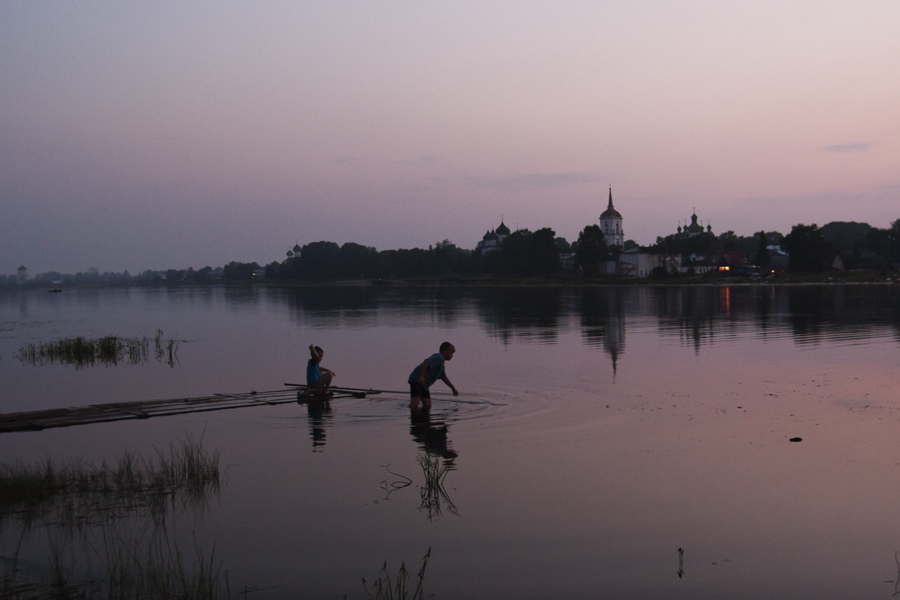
x=118 y=510
x=132 y=564
x=433 y=494
x=109 y=350
x=383 y=588
x=77 y=492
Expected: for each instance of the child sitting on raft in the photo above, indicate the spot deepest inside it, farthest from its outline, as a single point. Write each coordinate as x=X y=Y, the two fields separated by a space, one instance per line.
x=318 y=378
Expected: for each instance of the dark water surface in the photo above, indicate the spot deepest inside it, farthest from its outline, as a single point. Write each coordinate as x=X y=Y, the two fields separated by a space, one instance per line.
x=599 y=431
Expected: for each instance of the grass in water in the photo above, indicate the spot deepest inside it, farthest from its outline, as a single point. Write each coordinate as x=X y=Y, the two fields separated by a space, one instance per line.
x=108 y=351
x=433 y=494
x=76 y=492
x=383 y=588
x=117 y=510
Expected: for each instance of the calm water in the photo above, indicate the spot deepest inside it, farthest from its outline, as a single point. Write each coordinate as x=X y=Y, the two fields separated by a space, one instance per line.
x=598 y=431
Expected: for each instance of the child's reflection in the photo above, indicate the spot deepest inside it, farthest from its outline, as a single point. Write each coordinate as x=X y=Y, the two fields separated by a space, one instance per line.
x=430 y=436
x=318 y=411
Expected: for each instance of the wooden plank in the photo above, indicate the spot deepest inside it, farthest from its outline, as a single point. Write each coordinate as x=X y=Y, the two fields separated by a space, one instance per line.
x=119 y=411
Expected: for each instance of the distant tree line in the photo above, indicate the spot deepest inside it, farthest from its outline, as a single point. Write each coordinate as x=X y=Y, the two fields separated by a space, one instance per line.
x=529 y=254
x=811 y=249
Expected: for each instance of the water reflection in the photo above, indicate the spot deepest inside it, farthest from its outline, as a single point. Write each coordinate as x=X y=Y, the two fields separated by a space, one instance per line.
x=602 y=312
x=107 y=530
x=696 y=316
x=318 y=411
x=349 y=306
x=531 y=314
x=430 y=436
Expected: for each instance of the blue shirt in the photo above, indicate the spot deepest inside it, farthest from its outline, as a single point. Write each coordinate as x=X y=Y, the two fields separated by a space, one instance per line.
x=312 y=372
x=434 y=371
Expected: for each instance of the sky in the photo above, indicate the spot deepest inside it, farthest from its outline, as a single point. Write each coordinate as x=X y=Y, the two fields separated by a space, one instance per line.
x=174 y=134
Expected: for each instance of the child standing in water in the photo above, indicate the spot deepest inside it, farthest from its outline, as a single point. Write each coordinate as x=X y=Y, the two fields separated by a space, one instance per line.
x=427 y=373
x=317 y=377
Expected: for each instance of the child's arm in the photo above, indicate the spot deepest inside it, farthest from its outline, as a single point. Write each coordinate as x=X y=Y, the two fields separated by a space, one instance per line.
x=313 y=354
x=447 y=381
x=423 y=371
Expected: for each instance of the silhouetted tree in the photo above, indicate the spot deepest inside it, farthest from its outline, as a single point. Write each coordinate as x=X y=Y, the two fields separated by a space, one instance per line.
x=762 y=253
x=235 y=271
x=527 y=253
x=592 y=248
x=356 y=260
x=809 y=251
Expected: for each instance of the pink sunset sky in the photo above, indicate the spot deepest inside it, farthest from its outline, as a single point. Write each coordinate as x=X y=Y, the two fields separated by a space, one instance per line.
x=173 y=134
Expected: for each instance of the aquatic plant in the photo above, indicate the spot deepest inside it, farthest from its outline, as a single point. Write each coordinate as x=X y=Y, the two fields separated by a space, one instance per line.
x=433 y=493
x=398 y=589
x=76 y=492
x=132 y=565
x=109 y=350
x=118 y=512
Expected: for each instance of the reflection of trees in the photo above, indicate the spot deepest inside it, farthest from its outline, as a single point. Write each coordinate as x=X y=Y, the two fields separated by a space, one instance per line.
x=690 y=312
x=697 y=315
x=523 y=312
x=807 y=305
x=342 y=306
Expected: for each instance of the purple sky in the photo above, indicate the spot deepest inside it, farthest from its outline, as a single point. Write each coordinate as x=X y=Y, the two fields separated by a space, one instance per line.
x=173 y=134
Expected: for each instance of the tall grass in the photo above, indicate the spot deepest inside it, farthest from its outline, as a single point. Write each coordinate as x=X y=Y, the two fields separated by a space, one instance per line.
x=383 y=588
x=76 y=492
x=433 y=494
x=109 y=350
x=107 y=534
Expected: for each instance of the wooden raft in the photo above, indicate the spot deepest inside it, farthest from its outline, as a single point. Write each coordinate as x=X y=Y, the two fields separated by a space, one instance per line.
x=121 y=411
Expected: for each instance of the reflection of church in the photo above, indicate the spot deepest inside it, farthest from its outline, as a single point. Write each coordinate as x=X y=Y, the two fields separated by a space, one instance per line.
x=493 y=238
x=603 y=321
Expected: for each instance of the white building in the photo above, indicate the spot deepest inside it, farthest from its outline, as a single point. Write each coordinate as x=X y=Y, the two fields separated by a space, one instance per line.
x=611 y=225
x=634 y=263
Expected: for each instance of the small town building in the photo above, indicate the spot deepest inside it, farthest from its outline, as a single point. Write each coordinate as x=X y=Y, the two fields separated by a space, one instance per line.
x=640 y=263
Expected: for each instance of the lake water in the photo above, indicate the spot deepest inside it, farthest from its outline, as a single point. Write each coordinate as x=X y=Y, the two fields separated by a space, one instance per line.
x=607 y=442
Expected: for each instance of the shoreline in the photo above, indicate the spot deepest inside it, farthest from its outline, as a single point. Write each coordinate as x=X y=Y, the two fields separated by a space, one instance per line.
x=853 y=278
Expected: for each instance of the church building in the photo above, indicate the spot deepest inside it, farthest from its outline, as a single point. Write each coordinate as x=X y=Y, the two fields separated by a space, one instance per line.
x=493 y=238
x=611 y=225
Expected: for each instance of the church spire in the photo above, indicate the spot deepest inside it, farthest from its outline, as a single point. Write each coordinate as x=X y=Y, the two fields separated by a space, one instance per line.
x=610 y=197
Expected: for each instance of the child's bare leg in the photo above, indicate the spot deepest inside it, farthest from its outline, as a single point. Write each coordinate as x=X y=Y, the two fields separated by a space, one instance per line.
x=326 y=380
x=426 y=402
x=414 y=402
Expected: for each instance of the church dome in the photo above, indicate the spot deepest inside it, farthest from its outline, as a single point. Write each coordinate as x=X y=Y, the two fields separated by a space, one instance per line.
x=610 y=212
x=694 y=227
x=297 y=248
x=503 y=229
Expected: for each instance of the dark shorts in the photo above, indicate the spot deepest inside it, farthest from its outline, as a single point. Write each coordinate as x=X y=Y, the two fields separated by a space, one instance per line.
x=417 y=390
